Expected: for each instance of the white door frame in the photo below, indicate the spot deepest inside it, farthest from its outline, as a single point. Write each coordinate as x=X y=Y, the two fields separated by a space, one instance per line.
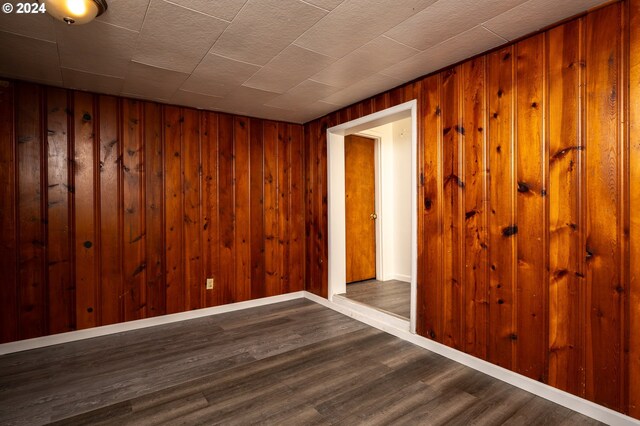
x=337 y=270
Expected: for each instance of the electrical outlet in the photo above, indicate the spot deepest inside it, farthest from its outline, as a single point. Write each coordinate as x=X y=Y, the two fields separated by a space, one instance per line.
x=209 y=283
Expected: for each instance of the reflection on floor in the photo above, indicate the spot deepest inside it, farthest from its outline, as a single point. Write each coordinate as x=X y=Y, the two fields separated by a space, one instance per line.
x=391 y=296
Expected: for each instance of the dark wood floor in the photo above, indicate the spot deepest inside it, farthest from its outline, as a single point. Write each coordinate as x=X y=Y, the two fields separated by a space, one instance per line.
x=291 y=363
x=391 y=296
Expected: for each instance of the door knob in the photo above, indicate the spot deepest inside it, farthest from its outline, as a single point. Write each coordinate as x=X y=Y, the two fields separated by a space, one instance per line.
x=373 y=216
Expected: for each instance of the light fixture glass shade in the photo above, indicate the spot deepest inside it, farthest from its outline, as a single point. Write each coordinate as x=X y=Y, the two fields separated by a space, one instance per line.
x=76 y=12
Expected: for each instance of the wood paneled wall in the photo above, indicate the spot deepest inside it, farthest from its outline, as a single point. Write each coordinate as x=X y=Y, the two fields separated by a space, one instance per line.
x=529 y=205
x=114 y=209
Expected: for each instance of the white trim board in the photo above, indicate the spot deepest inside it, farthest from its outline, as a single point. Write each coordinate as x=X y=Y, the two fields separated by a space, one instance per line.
x=72 y=336
x=542 y=390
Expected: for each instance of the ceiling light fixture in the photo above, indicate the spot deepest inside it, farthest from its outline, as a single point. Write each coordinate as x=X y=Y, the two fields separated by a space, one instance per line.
x=76 y=12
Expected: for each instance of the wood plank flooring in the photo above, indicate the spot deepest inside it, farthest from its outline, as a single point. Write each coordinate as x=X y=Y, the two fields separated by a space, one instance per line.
x=390 y=296
x=290 y=363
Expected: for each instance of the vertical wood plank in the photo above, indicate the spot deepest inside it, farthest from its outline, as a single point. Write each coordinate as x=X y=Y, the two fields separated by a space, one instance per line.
x=194 y=286
x=8 y=220
x=282 y=208
x=256 y=171
x=210 y=228
x=59 y=248
x=429 y=307
x=296 y=207
x=271 y=266
x=565 y=64
x=85 y=212
x=111 y=278
x=133 y=239
x=605 y=297
x=502 y=228
x=32 y=216
x=226 y=207
x=531 y=153
x=452 y=190
x=634 y=208
x=323 y=228
x=475 y=230
x=154 y=219
x=173 y=209
x=310 y=213
x=242 y=290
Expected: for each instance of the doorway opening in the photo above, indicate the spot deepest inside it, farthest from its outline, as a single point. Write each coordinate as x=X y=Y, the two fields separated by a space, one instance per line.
x=372 y=213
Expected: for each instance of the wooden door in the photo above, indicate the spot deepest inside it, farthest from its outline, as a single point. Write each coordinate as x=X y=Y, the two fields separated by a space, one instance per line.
x=360 y=208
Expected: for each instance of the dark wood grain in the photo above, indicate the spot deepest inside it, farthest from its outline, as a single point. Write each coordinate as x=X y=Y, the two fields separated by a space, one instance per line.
x=476 y=271
x=531 y=201
x=226 y=208
x=127 y=206
x=194 y=285
x=634 y=207
x=84 y=190
x=503 y=228
x=210 y=228
x=32 y=293
x=604 y=180
x=271 y=264
x=242 y=208
x=174 y=216
x=134 y=234
x=8 y=217
x=154 y=214
x=61 y=306
x=564 y=57
x=430 y=283
x=256 y=201
x=111 y=212
x=453 y=208
x=296 y=219
x=282 y=207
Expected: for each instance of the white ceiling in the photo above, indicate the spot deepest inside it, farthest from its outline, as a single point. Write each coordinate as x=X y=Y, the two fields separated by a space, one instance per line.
x=289 y=60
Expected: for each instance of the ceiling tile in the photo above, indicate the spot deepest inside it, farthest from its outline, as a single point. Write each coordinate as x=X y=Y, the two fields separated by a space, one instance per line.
x=534 y=15
x=80 y=80
x=223 y=9
x=355 y=22
x=176 y=38
x=156 y=83
x=445 y=19
x=292 y=66
x=217 y=75
x=465 y=45
x=343 y=73
x=374 y=56
x=369 y=86
x=41 y=63
x=309 y=112
x=96 y=48
x=198 y=100
x=303 y=94
x=125 y=13
x=264 y=28
x=37 y=25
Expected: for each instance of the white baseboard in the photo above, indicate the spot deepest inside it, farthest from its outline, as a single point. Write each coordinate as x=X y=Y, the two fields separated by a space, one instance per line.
x=565 y=399
x=385 y=322
x=72 y=336
x=402 y=277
